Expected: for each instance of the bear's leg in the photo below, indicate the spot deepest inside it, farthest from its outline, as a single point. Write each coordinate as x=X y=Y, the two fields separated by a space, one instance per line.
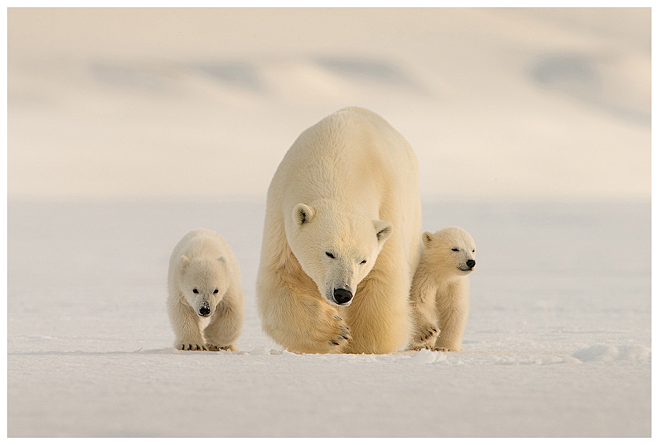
x=225 y=325
x=423 y=313
x=299 y=322
x=186 y=325
x=453 y=314
x=379 y=315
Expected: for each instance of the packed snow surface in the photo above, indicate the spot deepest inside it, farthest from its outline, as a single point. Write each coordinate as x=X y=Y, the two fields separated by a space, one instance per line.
x=557 y=343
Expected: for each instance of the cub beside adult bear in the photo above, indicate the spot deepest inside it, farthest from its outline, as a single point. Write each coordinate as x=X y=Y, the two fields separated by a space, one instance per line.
x=439 y=291
x=204 y=284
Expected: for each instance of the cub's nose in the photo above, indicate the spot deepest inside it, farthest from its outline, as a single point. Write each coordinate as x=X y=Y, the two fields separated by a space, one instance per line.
x=342 y=296
x=470 y=264
x=204 y=311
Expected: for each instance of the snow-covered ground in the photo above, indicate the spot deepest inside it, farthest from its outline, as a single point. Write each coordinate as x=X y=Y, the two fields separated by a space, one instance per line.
x=496 y=102
x=557 y=344
x=129 y=127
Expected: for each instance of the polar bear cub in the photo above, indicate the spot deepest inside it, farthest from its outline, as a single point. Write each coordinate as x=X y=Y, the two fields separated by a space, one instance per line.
x=204 y=284
x=439 y=291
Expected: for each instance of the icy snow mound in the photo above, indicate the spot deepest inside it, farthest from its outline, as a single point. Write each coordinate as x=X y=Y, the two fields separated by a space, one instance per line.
x=425 y=356
x=606 y=353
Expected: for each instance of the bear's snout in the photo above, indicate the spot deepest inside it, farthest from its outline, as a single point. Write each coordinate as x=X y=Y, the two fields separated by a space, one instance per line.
x=470 y=264
x=204 y=310
x=342 y=296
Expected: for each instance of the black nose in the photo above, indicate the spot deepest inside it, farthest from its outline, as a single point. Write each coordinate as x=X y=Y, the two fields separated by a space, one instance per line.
x=342 y=296
x=470 y=264
x=204 y=311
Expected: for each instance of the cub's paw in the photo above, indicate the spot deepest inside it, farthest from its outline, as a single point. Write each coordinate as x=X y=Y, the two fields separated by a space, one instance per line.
x=424 y=337
x=211 y=347
x=449 y=348
x=190 y=347
x=420 y=347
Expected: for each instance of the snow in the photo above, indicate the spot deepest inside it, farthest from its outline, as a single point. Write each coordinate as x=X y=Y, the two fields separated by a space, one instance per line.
x=557 y=344
x=510 y=99
x=607 y=353
x=129 y=127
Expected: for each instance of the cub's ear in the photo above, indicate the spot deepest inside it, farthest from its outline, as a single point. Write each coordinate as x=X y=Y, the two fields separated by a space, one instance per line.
x=427 y=238
x=384 y=230
x=302 y=214
x=184 y=260
x=222 y=259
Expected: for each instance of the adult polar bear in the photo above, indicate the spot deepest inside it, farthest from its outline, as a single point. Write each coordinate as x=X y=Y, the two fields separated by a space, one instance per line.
x=342 y=238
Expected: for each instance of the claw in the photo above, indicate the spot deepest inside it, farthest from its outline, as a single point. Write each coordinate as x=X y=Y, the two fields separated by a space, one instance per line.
x=333 y=343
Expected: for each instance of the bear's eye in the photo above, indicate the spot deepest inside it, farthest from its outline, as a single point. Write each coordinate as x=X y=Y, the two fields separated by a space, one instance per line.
x=195 y=291
x=473 y=250
x=454 y=249
x=330 y=255
x=215 y=291
x=363 y=262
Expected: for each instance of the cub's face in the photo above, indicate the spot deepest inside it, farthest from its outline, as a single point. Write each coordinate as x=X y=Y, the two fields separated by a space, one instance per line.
x=451 y=249
x=336 y=251
x=204 y=281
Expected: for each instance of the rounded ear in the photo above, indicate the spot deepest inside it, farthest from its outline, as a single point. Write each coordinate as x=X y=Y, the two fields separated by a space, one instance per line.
x=384 y=230
x=184 y=260
x=427 y=237
x=302 y=214
x=222 y=259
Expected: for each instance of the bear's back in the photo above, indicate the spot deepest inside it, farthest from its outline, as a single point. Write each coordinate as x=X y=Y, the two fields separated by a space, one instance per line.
x=351 y=152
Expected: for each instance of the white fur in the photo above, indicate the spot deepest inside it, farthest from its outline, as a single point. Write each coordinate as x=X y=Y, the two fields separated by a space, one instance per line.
x=203 y=261
x=348 y=186
x=439 y=292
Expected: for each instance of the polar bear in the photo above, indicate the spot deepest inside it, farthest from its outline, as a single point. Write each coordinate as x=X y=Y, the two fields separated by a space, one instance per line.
x=341 y=239
x=204 y=284
x=439 y=291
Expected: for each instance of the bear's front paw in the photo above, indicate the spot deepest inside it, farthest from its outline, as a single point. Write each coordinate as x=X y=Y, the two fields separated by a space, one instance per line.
x=342 y=335
x=190 y=347
x=211 y=347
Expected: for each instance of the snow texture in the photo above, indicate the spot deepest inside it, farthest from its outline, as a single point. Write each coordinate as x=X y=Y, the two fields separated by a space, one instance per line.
x=560 y=298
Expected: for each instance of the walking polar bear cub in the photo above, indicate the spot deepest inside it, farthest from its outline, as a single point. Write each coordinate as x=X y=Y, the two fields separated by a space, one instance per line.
x=204 y=283
x=439 y=292
x=341 y=239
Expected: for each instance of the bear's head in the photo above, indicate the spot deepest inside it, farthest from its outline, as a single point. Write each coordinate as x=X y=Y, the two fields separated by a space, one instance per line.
x=336 y=246
x=204 y=281
x=451 y=250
